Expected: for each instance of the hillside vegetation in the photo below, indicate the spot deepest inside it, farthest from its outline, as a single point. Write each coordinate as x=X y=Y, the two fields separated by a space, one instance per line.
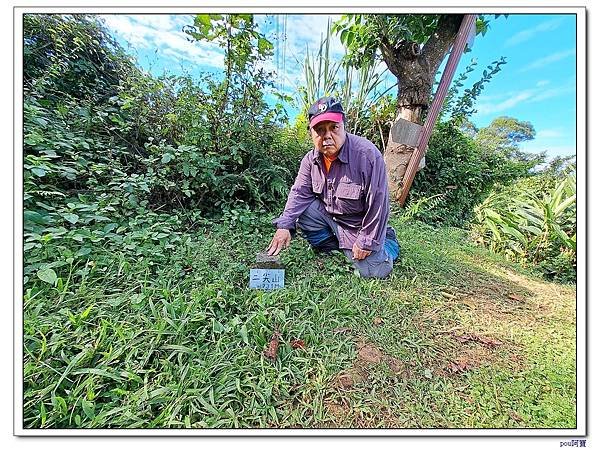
x=146 y=201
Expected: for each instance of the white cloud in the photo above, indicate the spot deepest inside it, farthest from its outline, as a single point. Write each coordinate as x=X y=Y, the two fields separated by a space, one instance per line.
x=491 y=98
x=525 y=35
x=286 y=82
x=492 y=107
x=496 y=103
x=551 y=93
x=542 y=83
x=173 y=54
x=550 y=134
x=302 y=31
x=311 y=29
x=137 y=35
x=162 y=33
x=160 y=22
x=551 y=150
x=554 y=57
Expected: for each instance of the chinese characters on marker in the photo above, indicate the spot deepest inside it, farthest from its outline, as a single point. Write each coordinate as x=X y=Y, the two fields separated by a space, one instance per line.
x=266 y=279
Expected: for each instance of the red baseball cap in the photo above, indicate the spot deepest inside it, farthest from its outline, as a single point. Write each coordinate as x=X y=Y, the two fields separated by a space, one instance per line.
x=326 y=108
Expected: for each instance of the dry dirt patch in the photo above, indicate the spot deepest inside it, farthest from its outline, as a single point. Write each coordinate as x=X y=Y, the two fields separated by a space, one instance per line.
x=482 y=323
x=482 y=320
x=368 y=356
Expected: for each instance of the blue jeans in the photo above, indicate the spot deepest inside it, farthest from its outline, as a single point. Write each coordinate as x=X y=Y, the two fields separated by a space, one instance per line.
x=318 y=228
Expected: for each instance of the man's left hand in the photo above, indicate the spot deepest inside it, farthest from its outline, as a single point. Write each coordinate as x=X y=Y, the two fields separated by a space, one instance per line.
x=359 y=253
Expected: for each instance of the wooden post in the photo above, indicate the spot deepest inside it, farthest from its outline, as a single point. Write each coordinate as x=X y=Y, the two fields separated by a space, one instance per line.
x=464 y=33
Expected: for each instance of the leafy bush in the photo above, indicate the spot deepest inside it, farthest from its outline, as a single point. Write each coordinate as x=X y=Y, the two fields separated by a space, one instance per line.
x=460 y=171
x=214 y=143
x=71 y=55
x=532 y=223
x=152 y=143
x=117 y=160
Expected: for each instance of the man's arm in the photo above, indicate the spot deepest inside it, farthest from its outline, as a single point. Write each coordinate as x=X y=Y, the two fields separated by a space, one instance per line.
x=372 y=234
x=299 y=198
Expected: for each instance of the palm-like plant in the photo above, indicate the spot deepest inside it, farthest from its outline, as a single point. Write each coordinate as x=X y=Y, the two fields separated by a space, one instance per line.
x=531 y=226
x=357 y=89
x=320 y=72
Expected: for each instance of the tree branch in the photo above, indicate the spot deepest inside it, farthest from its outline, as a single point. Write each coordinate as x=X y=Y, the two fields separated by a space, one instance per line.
x=438 y=45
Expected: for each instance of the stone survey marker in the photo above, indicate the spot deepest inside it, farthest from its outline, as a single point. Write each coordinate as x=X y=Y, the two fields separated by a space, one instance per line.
x=268 y=273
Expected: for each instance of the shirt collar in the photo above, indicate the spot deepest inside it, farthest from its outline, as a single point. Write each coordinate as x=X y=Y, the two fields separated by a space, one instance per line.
x=342 y=155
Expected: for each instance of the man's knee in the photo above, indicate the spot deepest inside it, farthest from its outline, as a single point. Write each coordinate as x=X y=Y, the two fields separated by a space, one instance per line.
x=313 y=211
x=313 y=217
x=375 y=269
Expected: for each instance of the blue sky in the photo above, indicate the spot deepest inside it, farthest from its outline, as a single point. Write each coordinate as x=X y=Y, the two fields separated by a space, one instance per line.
x=537 y=84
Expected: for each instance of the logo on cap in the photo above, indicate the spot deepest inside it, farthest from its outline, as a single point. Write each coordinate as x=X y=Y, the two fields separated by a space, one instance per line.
x=322 y=107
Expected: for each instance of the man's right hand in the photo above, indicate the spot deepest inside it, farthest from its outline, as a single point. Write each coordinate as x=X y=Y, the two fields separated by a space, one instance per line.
x=280 y=241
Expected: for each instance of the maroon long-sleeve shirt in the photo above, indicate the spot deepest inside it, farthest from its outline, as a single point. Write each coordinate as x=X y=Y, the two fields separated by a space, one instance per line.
x=354 y=191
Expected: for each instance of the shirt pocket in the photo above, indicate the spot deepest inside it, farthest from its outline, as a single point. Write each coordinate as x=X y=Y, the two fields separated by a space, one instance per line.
x=349 y=199
x=317 y=187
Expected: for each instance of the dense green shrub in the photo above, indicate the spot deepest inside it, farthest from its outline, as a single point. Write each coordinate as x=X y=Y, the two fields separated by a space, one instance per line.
x=75 y=157
x=214 y=143
x=71 y=55
x=110 y=151
x=290 y=145
x=207 y=151
x=160 y=143
x=461 y=173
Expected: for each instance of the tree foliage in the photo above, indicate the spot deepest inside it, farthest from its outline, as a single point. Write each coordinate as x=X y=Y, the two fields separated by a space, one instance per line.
x=367 y=35
x=504 y=136
x=411 y=45
x=236 y=34
x=68 y=55
x=505 y=133
x=459 y=107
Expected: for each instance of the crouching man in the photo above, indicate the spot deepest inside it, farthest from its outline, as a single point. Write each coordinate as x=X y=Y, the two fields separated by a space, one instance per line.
x=340 y=199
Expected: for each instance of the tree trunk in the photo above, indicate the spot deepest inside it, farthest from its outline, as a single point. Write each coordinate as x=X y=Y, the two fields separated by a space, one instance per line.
x=415 y=68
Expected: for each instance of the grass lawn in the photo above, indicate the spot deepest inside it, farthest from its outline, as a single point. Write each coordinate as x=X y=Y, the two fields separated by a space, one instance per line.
x=171 y=336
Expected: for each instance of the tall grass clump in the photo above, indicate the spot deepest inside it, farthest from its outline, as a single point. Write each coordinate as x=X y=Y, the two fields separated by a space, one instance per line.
x=533 y=223
x=362 y=92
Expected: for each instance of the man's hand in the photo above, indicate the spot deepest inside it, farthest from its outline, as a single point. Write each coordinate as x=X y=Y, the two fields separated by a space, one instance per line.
x=280 y=241
x=359 y=253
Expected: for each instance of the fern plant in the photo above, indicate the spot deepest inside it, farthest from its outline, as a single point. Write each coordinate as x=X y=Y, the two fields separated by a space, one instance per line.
x=415 y=207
